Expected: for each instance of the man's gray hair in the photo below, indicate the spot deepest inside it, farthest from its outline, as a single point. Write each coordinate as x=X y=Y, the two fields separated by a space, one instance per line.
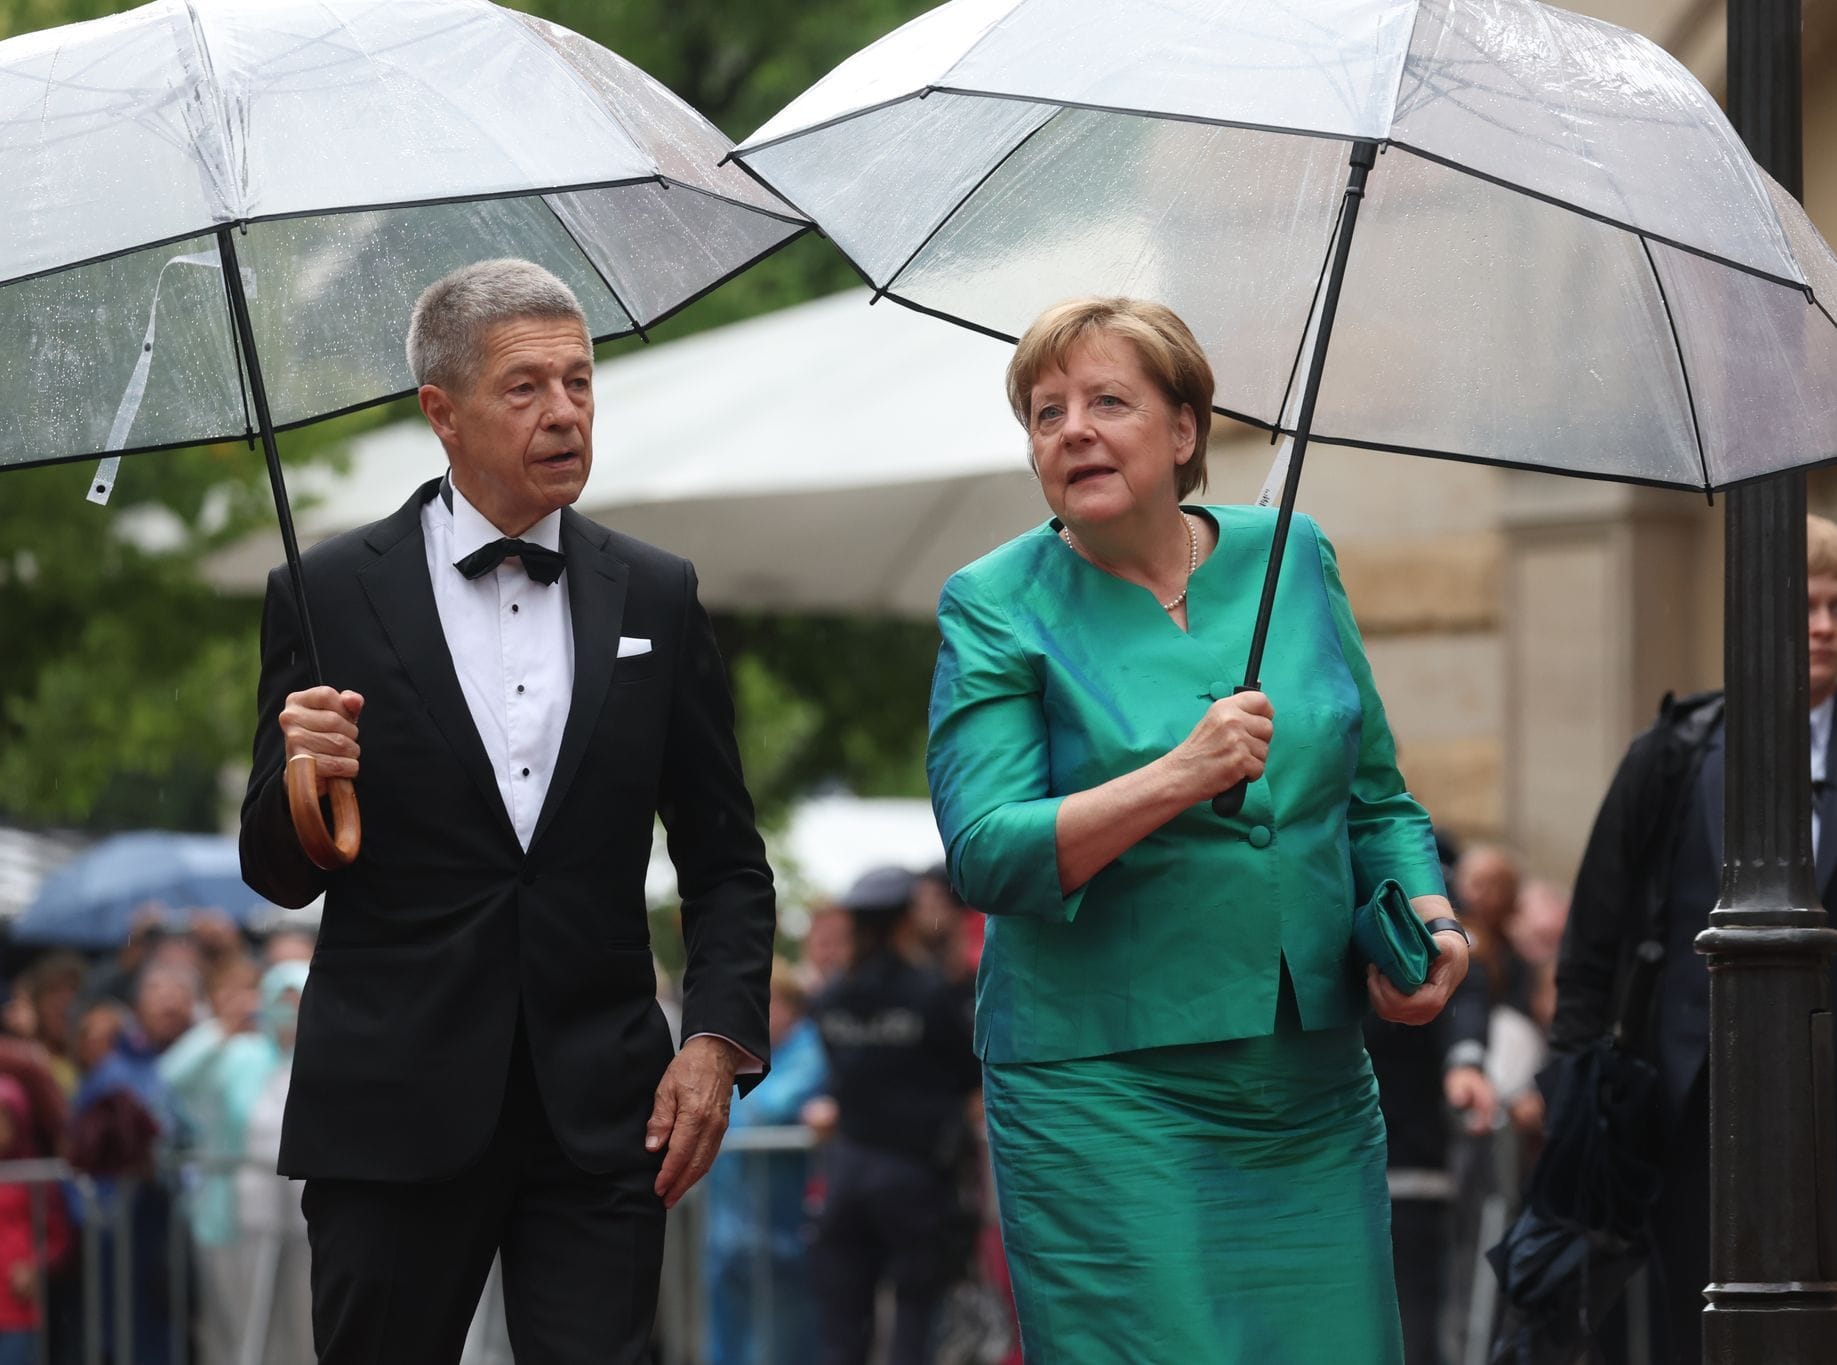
x=454 y=312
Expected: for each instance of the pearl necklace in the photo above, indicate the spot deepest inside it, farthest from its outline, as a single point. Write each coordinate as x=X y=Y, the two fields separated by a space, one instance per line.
x=1192 y=558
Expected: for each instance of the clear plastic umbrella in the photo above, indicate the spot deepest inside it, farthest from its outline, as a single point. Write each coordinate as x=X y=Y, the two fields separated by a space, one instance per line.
x=220 y=213
x=1564 y=258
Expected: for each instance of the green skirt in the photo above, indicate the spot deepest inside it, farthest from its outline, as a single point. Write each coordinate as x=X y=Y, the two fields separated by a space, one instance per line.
x=1217 y=1204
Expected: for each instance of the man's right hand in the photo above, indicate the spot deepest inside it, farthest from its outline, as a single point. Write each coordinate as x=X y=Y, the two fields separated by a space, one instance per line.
x=321 y=723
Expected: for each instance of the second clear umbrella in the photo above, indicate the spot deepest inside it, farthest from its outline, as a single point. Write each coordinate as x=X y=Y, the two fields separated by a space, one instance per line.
x=1484 y=230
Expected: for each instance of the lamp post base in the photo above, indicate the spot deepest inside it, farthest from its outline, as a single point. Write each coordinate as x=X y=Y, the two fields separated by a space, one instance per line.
x=1778 y=1324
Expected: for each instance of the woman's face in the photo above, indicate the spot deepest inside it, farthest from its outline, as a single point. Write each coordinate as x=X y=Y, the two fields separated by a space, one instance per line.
x=1106 y=442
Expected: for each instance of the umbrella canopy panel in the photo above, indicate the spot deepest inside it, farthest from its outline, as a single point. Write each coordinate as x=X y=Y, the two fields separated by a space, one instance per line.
x=1564 y=243
x=362 y=150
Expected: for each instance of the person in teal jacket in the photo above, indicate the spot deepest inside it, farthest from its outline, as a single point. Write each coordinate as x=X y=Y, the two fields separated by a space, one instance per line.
x=1188 y=1150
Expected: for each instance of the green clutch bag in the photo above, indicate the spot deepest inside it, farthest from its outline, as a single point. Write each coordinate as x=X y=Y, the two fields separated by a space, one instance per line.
x=1391 y=934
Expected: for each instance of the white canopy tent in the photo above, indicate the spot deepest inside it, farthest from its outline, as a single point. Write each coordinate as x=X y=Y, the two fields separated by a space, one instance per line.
x=828 y=842
x=831 y=456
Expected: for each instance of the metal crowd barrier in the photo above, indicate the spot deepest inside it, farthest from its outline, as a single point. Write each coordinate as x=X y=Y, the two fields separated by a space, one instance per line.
x=101 y=1273
x=107 y=1278
x=683 y=1305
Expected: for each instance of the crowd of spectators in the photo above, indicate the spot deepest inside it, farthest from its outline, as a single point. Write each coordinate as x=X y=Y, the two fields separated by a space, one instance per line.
x=862 y=1207
x=156 y=1074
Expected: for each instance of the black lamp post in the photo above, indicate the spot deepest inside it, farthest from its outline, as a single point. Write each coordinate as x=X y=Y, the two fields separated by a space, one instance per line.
x=1773 y=1132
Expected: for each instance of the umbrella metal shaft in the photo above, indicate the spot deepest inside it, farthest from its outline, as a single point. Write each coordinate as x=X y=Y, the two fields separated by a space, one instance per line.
x=290 y=543
x=1364 y=156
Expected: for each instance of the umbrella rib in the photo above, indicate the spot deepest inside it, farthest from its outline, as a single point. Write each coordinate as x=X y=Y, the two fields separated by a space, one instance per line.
x=956 y=208
x=1578 y=210
x=794 y=219
x=330 y=413
x=1301 y=343
x=1170 y=117
x=739 y=154
x=813 y=226
x=562 y=223
x=713 y=285
x=1677 y=345
x=209 y=230
x=1259 y=423
x=1532 y=467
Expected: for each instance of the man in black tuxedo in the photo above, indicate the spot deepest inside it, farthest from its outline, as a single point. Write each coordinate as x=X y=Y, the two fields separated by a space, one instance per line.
x=1653 y=871
x=481 y=1064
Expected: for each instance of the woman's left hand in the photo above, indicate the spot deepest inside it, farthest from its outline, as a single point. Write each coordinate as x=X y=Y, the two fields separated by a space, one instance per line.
x=1445 y=973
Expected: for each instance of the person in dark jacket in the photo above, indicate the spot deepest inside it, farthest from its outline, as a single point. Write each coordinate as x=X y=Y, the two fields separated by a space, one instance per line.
x=902 y=1071
x=1652 y=871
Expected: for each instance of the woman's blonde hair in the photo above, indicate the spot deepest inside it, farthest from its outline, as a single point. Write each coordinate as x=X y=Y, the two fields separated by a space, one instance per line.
x=1166 y=346
x=1820 y=546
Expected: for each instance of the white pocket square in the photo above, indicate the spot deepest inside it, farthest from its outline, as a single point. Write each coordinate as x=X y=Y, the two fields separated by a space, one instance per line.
x=631 y=646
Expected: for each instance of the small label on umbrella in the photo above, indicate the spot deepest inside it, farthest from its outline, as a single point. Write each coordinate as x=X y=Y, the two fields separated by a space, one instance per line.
x=1278 y=474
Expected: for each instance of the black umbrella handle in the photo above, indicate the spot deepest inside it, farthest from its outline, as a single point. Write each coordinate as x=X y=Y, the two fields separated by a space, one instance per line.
x=1231 y=800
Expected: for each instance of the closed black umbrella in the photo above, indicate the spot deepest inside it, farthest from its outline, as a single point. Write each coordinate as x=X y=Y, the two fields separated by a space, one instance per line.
x=1583 y=1233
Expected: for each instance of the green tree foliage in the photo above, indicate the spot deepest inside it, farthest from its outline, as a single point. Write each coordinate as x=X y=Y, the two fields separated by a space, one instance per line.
x=127 y=683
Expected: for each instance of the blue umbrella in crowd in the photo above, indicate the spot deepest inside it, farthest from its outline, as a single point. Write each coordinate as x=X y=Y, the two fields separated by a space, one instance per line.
x=219 y=214
x=95 y=898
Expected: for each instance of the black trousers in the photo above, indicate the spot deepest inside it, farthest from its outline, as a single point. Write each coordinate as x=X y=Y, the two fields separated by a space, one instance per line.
x=886 y=1217
x=397 y=1268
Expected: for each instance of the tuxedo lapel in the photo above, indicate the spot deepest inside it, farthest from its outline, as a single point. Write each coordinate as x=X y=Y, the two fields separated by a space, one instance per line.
x=403 y=599
x=596 y=581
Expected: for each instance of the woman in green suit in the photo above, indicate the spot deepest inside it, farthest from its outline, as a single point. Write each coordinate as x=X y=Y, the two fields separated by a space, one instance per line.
x=1187 y=1144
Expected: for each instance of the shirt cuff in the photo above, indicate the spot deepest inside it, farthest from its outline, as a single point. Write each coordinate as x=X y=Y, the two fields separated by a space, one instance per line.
x=749 y=1064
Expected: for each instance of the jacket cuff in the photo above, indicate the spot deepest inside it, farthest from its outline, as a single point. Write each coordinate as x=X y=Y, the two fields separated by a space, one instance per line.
x=1009 y=864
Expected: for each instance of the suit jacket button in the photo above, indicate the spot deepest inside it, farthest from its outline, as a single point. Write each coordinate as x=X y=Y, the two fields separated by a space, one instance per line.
x=529 y=875
x=1259 y=836
x=1221 y=690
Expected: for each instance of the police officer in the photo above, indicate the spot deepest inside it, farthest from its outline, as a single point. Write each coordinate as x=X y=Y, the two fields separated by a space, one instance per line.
x=902 y=1074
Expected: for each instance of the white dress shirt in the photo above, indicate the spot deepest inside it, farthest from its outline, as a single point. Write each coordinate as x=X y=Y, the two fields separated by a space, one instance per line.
x=512 y=644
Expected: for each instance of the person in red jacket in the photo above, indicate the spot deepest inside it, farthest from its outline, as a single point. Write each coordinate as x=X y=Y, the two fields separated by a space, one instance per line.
x=24 y=1255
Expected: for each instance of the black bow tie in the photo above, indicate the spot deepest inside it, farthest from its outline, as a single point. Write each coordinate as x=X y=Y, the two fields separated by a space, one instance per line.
x=541 y=564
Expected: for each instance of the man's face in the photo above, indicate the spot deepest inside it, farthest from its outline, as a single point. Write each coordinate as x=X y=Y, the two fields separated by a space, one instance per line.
x=520 y=439
x=1821 y=600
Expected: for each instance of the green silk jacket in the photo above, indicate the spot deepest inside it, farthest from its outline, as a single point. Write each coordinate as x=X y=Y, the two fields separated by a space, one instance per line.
x=1054 y=677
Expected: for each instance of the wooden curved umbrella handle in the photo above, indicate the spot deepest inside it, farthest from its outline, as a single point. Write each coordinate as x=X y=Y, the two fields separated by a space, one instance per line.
x=325 y=850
